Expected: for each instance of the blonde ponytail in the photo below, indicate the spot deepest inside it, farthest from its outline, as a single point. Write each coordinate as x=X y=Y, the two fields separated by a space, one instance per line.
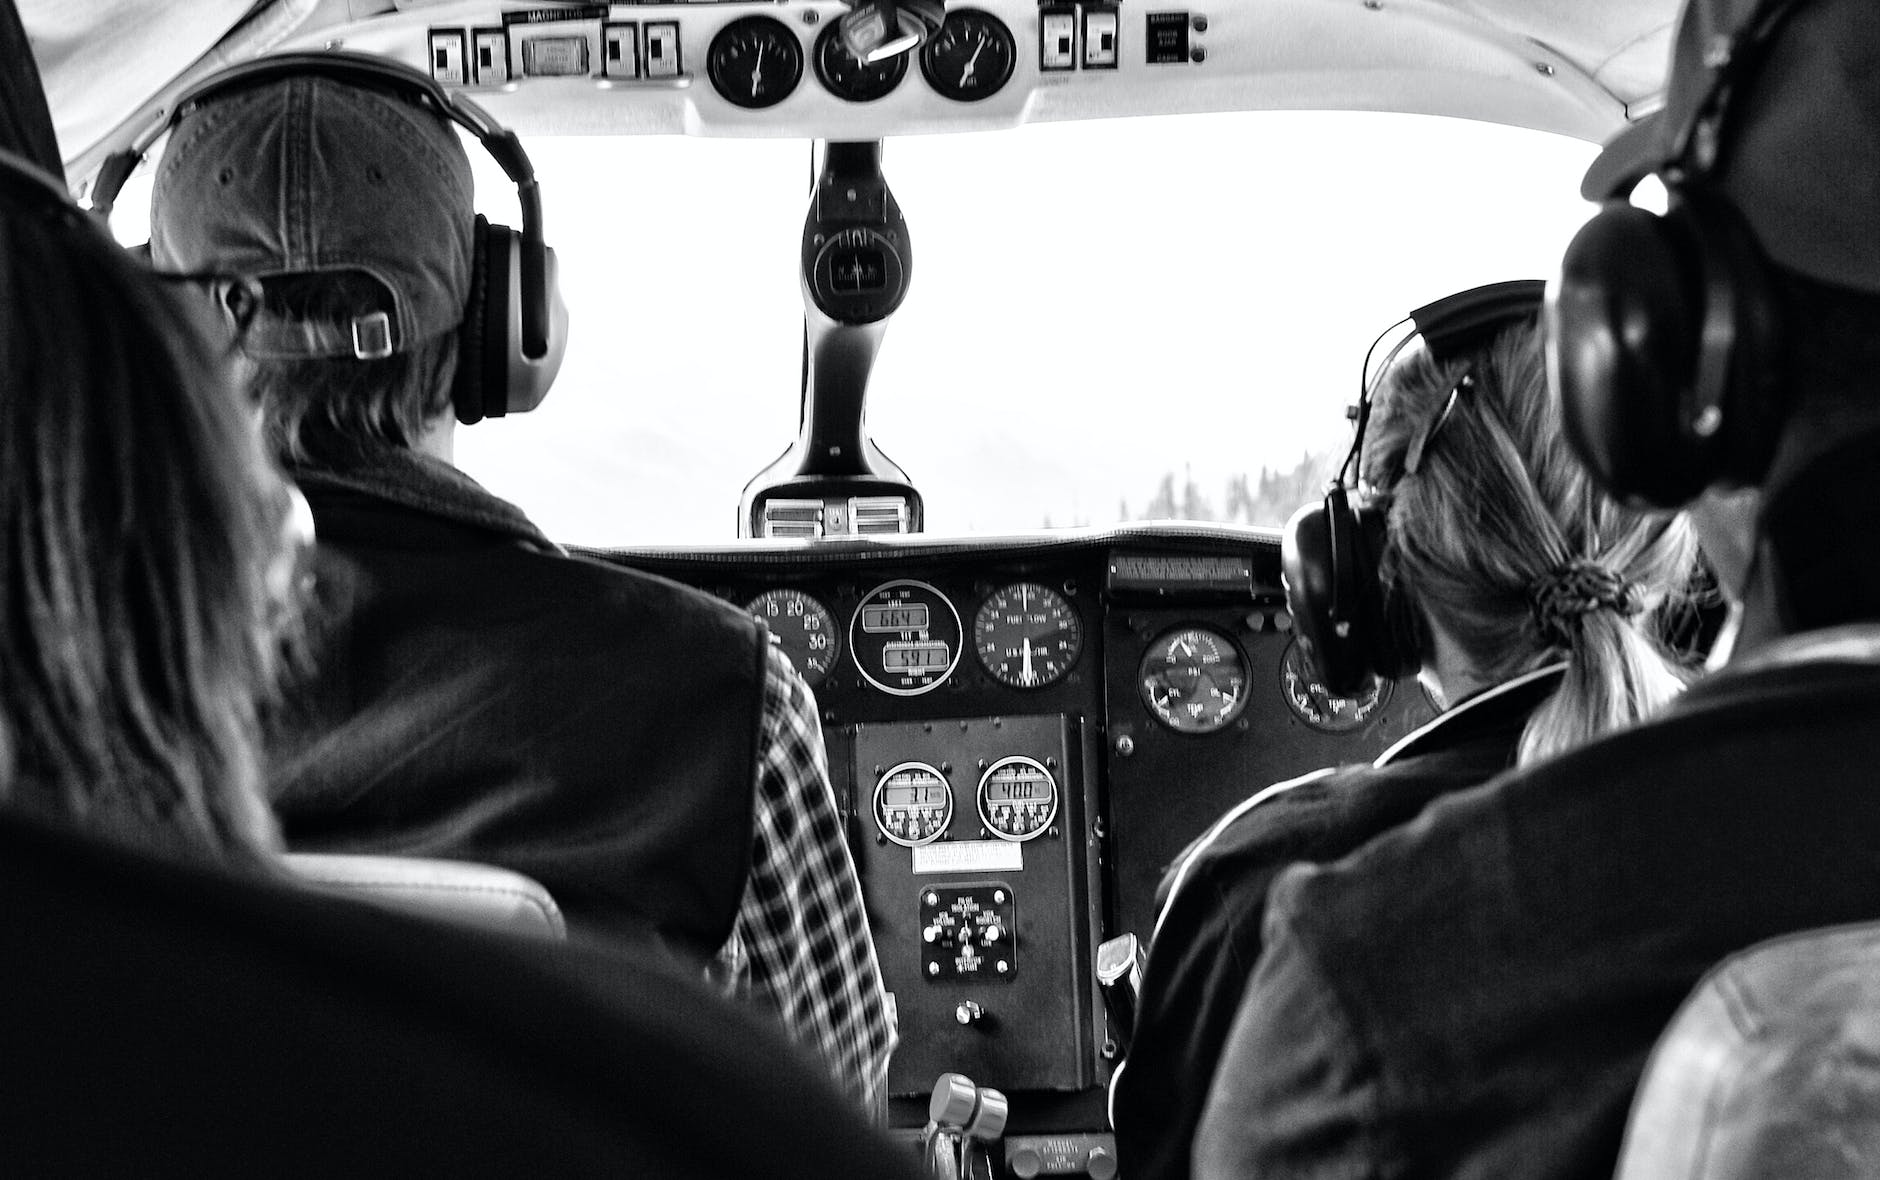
x=1502 y=538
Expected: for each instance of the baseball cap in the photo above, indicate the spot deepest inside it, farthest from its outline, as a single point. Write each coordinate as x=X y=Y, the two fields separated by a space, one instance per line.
x=1797 y=146
x=308 y=174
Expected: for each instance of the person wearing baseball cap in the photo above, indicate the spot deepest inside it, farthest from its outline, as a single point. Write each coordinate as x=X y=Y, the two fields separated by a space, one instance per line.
x=474 y=691
x=1476 y=994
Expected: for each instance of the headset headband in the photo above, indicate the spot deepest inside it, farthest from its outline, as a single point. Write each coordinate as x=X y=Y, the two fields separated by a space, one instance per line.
x=376 y=73
x=1448 y=329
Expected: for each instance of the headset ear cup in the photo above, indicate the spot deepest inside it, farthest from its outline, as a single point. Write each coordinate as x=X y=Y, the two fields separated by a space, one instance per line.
x=1621 y=344
x=1329 y=567
x=468 y=394
x=1748 y=361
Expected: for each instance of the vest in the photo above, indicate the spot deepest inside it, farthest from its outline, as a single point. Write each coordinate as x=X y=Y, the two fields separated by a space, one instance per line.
x=472 y=692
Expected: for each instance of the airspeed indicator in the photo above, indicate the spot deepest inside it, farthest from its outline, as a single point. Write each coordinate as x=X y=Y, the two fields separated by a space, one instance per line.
x=802 y=627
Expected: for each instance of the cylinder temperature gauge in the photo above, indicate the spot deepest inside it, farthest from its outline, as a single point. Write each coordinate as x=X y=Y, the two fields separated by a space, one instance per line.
x=1018 y=798
x=913 y=804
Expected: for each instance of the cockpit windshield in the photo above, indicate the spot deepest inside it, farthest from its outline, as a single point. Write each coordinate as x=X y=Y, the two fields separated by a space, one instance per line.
x=1123 y=319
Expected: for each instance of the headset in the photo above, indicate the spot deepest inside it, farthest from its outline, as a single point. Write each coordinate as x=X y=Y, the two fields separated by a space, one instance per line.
x=515 y=326
x=26 y=183
x=1662 y=335
x=1330 y=552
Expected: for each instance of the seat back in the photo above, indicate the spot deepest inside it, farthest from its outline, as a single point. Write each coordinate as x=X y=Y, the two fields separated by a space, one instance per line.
x=165 y=1019
x=1771 y=1069
x=455 y=890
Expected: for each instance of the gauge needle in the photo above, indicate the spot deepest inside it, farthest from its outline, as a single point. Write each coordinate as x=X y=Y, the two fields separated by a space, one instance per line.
x=757 y=73
x=1026 y=675
x=973 y=60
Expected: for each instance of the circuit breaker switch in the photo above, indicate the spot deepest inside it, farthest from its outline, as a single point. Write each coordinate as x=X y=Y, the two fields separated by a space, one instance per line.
x=1100 y=48
x=1057 y=38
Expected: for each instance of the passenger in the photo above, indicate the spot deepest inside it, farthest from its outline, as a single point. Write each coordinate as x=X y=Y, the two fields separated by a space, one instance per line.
x=140 y=521
x=636 y=746
x=1534 y=598
x=1475 y=994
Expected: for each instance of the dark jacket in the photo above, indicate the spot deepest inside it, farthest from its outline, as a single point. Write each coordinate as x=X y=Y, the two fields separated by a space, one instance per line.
x=478 y=694
x=1207 y=937
x=1475 y=993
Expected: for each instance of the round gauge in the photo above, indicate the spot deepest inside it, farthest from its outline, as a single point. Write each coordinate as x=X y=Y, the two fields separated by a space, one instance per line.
x=848 y=77
x=802 y=627
x=1027 y=635
x=1193 y=679
x=755 y=62
x=1316 y=707
x=1312 y=704
x=905 y=638
x=913 y=804
x=1018 y=798
x=971 y=56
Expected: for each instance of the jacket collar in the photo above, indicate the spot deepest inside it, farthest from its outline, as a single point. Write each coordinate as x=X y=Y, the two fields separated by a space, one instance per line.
x=1511 y=698
x=427 y=485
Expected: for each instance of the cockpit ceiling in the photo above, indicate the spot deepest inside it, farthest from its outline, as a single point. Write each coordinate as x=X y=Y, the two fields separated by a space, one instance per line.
x=1578 y=67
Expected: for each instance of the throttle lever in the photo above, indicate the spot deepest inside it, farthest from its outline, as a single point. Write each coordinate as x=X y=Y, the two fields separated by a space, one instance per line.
x=1120 y=961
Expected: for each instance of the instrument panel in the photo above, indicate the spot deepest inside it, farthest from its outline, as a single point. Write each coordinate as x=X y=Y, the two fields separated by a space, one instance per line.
x=1024 y=733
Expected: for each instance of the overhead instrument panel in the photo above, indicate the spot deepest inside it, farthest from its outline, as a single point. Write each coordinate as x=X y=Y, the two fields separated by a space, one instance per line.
x=1193 y=680
x=1313 y=704
x=803 y=628
x=755 y=62
x=905 y=638
x=1027 y=635
x=971 y=57
x=847 y=76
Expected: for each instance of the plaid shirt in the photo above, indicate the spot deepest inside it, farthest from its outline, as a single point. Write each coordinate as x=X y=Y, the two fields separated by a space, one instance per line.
x=801 y=945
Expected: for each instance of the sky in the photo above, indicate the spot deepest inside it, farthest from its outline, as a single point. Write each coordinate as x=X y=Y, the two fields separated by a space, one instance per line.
x=1094 y=305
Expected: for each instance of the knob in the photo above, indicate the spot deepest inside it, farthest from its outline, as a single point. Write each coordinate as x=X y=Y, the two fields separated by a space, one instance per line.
x=989 y=1120
x=932 y=933
x=991 y=934
x=1026 y=1163
x=1100 y=1164
x=969 y=1013
x=954 y=1097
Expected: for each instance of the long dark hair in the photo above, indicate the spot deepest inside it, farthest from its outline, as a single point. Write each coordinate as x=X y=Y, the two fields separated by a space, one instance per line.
x=1502 y=537
x=139 y=520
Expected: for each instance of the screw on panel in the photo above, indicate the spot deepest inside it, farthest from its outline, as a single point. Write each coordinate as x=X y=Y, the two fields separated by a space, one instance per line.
x=1125 y=745
x=1050 y=763
x=933 y=968
x=1001 y=967
x=932 y=898
x=1200 y=24
x=810 y=17
x=1109 y=1050
x=1546 y=70
x=946 y=768
x=1199 y=55
x=1374 y=5
x=998 y=896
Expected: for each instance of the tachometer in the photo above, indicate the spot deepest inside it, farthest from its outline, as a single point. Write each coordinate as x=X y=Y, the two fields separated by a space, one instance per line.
x=905 y=638
x=755 y=62
x=1018 y=798
x=802 y=627
x=971 y=57
x=1027 y=635
x=848 y=77
x=913 y=804
x=1193 y=679
x=1312 y=704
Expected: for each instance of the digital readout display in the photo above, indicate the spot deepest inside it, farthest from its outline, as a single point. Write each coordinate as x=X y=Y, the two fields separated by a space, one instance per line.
x=1017 y=790
x=915 y=657
x=911 y=797
x=910 y=616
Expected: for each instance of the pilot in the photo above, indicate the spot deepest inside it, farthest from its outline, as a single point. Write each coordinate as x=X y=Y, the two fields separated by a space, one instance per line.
x=475 y=691
x=1526 y=596
x=1475 y=994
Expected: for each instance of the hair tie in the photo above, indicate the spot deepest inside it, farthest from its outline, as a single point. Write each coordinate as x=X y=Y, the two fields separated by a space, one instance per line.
x=1579 y=587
